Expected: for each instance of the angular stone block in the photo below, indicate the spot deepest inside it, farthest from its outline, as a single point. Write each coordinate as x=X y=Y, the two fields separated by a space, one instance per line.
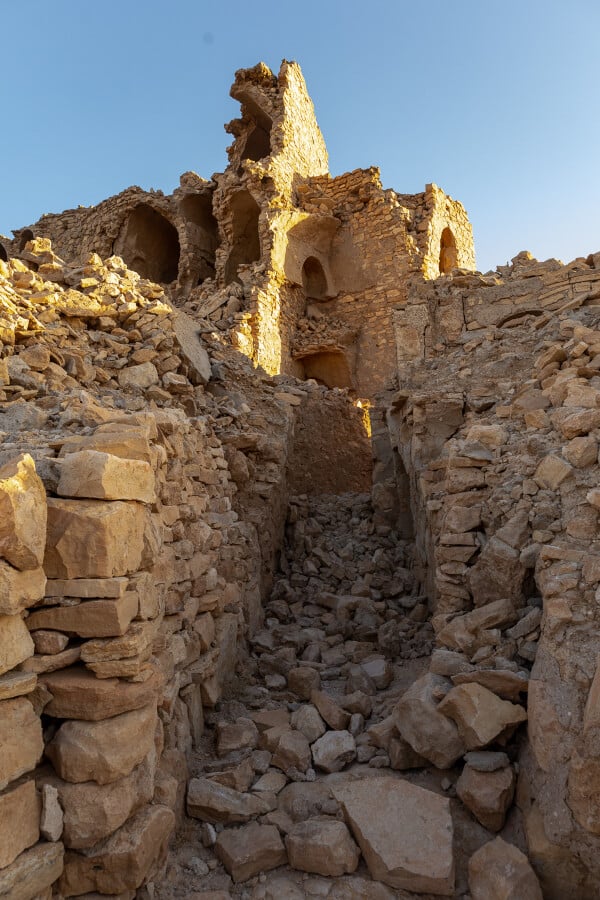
x=22 y=514
x=251 y=849
x=32 y=873
x=102 y=476
x=94 y=538
x=15 y=643
x=103 y=751
x=19 y=821
x=20 y=739
x=18 y=590
x=322 y=846
x=77 y=694
x=89 y=619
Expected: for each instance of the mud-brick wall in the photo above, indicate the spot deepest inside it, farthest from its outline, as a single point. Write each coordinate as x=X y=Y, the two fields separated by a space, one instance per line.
x=133 y=633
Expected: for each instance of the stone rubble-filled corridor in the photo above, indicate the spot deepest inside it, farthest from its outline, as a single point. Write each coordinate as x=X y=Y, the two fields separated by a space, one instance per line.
x=306 y=784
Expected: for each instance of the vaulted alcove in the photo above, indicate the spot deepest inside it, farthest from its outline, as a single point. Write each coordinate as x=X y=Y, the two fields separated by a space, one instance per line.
x=149 y=244
x=203 y=232
x=448 y=253
x=245 y=243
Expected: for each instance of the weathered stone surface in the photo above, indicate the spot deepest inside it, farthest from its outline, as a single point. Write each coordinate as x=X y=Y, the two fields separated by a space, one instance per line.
x=94 y=538
x=122 y=861
x=480 y=715
x=251 y=849
x=49 y=642
x=408 y=843
x=307 y=799
x=552 y=471
x=241 y=735
x=19 y=821
x=420 y=722
x=213 y=802
x=52 y=819
x=488 y=795
x=303 y=681
x=504 y=683
x=20 y=739
x=18 y=590
x=138 y=377
x=292 y=751
x=328 y=709
x=307 y=720
x=102 y=476
x=103 y=751
x=77 y=694
x=499 y=871
x=333 y=751
x=92 y=812
x=87 y=588
x=16 y=684
x=91 y=618
x=15 y=642
x=32 y=873
x=22 y=514
x=462 y=631
x=323 y=846
x=486 y=760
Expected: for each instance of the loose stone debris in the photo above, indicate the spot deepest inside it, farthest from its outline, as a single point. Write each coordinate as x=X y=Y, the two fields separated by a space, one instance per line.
x=299 y=565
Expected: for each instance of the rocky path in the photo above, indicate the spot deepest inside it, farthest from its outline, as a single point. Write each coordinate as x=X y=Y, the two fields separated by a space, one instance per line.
x=306 y=789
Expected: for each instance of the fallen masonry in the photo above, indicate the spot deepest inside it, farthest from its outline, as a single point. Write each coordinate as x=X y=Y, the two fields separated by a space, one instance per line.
x=299 y=560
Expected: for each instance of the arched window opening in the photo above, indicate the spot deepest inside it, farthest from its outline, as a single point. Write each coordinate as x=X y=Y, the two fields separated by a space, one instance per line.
x=26 y=235
x=203 y=231
x=329 y=367
x=149 y=244
x=245 y=245
x=314 y=280
x=258 y=144
x=448 y=254
x=3 y=253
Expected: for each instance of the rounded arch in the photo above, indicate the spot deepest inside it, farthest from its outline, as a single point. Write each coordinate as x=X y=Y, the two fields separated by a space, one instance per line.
x=3 y=253
x=258 y=144
x=149 y=244
x=314 y=280
x=203 y=233
x=25 y=236
x=245 y=238
x=448 y=252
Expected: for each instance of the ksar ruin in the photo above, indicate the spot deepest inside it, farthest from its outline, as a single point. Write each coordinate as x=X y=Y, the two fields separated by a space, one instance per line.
x=299 y=558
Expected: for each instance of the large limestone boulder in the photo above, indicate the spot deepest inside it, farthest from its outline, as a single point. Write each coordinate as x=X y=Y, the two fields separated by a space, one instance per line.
x=404 y=832
x=480 y=715
x=32 y=873
x=420 y=722
x=499 y=871
x=322 y=846
x=488 y=795
x=103 y=751
x=213 y=802
x=94 y=538
x=23 y=514
x=251 y=849
x=333 y=751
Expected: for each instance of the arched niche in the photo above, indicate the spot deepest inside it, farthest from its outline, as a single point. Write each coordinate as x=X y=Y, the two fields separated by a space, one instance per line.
x=26 y=235
x=328 y=367
x=448 y=254
x=3 y=253
x=258 y=144
x=314 y=280
x=149 y=244
x=245 y=244
x=203 y=231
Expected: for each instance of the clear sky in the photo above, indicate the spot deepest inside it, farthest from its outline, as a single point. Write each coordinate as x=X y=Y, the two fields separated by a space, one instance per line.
x=497 y=101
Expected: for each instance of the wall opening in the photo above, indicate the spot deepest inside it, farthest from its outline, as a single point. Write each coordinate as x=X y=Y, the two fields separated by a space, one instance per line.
x=245 y=244
x=448 y=254
x=258 y=144
x=3 y=253
x=314 y=280
x=26 y=235
x=149 y=244
x=328 y=367
x=203 y=231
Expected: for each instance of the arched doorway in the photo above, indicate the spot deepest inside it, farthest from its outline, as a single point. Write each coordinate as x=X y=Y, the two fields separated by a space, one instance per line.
x=203 y=231
x=149 y=244
x=3 y=253
x=26 y=235
x=314 y=280
x=448 y=254
x=245 y=244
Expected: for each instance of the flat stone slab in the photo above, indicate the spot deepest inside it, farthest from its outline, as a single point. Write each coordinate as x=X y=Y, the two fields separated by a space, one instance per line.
x=404 y=831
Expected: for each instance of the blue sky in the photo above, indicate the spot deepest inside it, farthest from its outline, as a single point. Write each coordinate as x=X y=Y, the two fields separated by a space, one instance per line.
x=497 y=101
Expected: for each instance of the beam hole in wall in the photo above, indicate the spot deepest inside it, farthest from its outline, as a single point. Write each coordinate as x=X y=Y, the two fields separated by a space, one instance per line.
x=149 y=244
x=448 y=254
x=245 y=243
x=314 y=280
x=203 y=232
x=327 y=367
x=26 y=235
x=3 y=253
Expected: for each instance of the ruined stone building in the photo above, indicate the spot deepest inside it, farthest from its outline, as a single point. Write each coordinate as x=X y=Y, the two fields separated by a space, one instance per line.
x=299 y=558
